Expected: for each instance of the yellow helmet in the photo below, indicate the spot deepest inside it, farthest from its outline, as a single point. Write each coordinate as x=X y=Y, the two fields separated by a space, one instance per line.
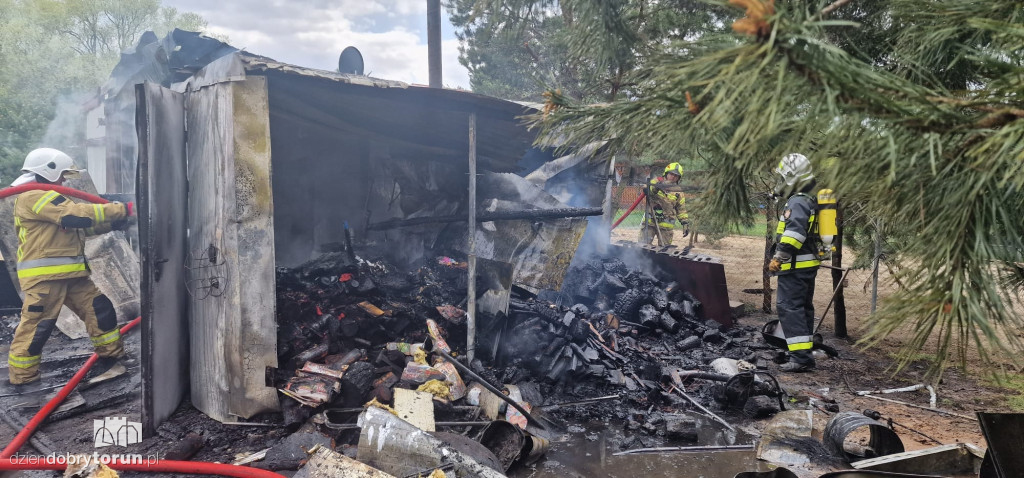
x=675 y=168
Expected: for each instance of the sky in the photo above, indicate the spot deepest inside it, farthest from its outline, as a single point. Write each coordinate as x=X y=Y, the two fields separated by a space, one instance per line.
x=390 y=34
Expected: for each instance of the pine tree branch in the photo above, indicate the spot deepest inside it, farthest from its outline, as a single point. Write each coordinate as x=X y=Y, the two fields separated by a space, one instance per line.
x=1018 y=112
x=833 y=7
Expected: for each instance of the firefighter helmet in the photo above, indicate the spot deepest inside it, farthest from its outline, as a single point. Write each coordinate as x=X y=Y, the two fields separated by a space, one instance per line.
x=794 y=168
x=674 y=168
x=51 y=164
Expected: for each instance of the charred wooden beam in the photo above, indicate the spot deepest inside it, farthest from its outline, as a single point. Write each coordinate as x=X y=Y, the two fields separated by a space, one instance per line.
x=529 y=214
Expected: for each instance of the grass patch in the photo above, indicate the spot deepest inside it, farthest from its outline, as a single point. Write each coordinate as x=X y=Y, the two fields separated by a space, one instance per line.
x=1013 y=382
x=636 y=219
x=757 y=230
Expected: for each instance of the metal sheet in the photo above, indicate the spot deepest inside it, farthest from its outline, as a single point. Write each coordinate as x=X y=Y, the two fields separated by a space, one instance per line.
x=162 y=201
x=392 y=445
x=230 y=259
x=700 y=275
x=326 y=463
x=945 y=460
x=1004 y=433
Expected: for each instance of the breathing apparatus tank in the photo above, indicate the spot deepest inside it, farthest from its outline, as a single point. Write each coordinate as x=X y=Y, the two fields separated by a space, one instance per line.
x=827 y=228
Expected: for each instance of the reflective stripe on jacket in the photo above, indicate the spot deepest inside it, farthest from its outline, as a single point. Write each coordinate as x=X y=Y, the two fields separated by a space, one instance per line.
x=51 y=234
x=797 y=232
x=668 y=204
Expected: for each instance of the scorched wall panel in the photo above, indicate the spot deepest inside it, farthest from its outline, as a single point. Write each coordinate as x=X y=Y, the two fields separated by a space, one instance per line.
x=231 y=249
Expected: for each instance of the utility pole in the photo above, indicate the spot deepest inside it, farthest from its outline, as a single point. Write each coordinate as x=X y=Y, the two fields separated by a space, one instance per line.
x=434 y=42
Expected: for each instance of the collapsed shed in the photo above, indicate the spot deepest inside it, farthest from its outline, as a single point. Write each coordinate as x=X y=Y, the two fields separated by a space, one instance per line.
x=268 y=165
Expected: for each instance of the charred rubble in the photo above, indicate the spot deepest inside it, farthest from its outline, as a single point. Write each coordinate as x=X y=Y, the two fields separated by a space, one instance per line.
x=352 y=331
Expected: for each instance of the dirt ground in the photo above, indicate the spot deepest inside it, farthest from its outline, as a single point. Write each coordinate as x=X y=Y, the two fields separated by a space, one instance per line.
x=959 y=392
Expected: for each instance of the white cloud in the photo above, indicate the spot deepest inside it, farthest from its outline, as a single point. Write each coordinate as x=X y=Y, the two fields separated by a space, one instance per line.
x=312 y=33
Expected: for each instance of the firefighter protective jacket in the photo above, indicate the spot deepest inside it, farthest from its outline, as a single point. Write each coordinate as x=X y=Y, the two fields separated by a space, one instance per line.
x=51 y=234
x=797 y=233
x=668 y=204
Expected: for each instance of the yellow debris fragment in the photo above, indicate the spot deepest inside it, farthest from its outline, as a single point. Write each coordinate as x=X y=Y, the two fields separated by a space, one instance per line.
x=375 y=403
x=419 y=356
x=436 y=388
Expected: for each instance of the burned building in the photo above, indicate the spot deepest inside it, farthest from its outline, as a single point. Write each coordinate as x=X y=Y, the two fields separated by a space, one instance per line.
x=246 y=165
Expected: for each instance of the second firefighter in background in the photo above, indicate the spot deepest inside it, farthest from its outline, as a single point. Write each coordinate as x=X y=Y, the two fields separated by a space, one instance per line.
x=666 y=207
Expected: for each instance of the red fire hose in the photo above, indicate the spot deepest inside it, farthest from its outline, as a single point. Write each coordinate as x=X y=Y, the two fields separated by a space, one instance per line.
x=11 y=191
x=162 y=466
x=631 y=208
x=55 y=402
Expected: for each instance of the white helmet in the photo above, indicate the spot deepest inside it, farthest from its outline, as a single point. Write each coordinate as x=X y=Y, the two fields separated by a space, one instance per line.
x=49 y=163
x=795 y=168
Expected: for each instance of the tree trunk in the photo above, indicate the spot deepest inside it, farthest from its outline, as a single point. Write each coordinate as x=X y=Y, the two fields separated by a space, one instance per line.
x=837 y=276
x=771 y=212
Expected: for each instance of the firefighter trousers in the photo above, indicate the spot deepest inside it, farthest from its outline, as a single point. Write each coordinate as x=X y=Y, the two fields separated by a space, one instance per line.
x=43 y=301
x=795 y=303
x=649 y=234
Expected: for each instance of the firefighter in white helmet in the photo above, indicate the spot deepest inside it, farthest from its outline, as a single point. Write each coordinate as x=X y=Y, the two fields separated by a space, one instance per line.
x=795 y=261
x=52 y=267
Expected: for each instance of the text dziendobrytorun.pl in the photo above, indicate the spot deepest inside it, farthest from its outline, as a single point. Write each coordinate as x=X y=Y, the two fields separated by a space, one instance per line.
x=74 y=459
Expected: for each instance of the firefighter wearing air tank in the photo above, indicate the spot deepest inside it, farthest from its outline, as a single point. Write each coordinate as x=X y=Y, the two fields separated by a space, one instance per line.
x=665 y=207
x=796 y=260
x=52 y=267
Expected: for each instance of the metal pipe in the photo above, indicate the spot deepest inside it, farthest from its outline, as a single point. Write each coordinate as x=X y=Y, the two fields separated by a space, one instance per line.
x=552 y=213
x=936 y=410
x=703 y=409
x=607 y=205
x=471 y=269
x=685 y=449
x=428 y=346
x=580 y=402
x=434 y=42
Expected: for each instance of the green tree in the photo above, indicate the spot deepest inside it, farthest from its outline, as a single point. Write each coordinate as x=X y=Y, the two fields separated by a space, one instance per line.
x=588 y=50
x=928 y=129
x=51 y=49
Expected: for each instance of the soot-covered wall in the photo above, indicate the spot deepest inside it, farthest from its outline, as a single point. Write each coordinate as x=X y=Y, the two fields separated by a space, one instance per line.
x=332 y=165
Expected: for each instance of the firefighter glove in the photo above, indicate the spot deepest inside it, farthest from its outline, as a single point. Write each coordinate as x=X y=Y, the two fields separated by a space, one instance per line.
x=129 y=208
x=119 y=225
x=780 y=258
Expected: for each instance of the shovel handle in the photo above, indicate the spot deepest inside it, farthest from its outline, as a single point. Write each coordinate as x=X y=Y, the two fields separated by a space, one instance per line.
x=428 y=346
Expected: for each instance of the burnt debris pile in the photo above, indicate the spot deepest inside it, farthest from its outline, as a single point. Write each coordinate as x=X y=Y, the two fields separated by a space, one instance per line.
x=633 y=332
x=631 y=346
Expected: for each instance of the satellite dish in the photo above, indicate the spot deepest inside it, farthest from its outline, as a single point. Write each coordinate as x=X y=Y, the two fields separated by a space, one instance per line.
x=351 y=61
